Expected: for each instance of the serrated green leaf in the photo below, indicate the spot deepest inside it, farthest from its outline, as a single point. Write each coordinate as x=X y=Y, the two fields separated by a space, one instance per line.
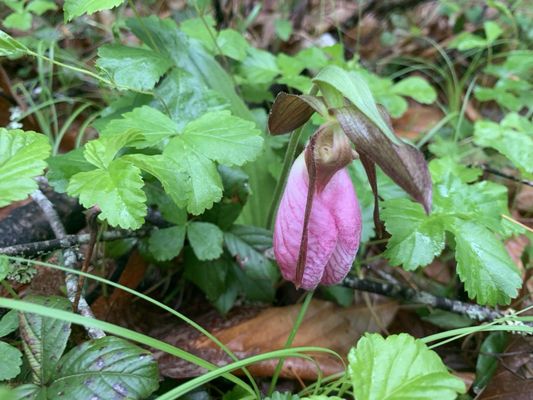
x=416 y=239
x=352 y=86
x=109 y=367
x=117 y=191
x=166 y=243
x=483 y=264
x=75 y=8
x=259 y=66
x=232 y=44
x=132 y=67
x=18 y=20
x=39 y=7
x=513 y=137
x=22 y=156
x=222 y=137
x=100 y=152
x=44 y=339
x=399 y=367
x=10 y=46
x=417 y=88
x=9 y=323
x=442 y=168
x=205 y=239
x=63 y=166
x=256 y=273
x=201 y=28
x=152 y=124
x=11 y=361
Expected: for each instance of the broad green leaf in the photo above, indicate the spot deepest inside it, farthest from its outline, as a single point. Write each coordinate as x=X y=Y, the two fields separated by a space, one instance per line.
x=132 y=67
x=22 y=156
x=204 y=186
x=283 y=28
x=63 y=166
x=10 y=46
x=417 y=88
x=152 y=124
x=416 y=239
x=224 y=138
x=166 y=243
x=18 y=20
x=488 y=360
x=107 y=368
x=44 y=339
x=166 y=171
x=201 y=28
x=483 y=264
x=29 y=391
x=256 y=273
x=39 y=7
x=467 y=41
x=11 y=361
x=186 y=98
x=206 y=240
x=442 y=168
x=352 y=86
x=492 y=31
x=232 y=44
x=75 y=8
x=101 y=152
x=259 y=66
x=399 y=367
x=513 y=137
x=9 y=323
x=117 y=191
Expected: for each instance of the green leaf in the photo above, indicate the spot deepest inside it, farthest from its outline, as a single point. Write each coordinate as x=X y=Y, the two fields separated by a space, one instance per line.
x=483 y=264
x=152 y=124
x=283 y=28
x=232 y=44
x=18 y=20
x=75 y=8
x=442 y=168
x=10 y=47
x=417 y=88
x=399 y=367
x=63 y=166
x=166 y=243
x=9 y=323
x=100 y=152
x=259 y=66
x=256 y=273
x=117 y=191
x=132 y=67
x=205 y=239
x=492 y=31
x=513 y=137
x=416 y=239
x=352 y=86
x=22 y=156
x=107 y=368
x=11 y=361
x=5 y=267
x=488 y=360
x=44 y=339
x=201 y=28
x=224 y=138
x=39 y=7
x=467 y=41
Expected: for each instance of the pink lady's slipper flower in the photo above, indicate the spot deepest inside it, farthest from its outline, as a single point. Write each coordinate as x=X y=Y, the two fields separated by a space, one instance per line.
x=318 y=224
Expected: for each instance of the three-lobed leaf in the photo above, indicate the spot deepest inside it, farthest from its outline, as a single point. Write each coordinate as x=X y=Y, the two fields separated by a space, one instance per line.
x=22 y=158
x=399 y=367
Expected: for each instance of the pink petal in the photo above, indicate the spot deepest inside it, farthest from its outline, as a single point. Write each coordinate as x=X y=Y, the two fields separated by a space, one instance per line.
x=322 y=235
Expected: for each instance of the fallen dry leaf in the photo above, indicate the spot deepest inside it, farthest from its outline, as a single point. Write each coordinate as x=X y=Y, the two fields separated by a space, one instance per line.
x=416 y=120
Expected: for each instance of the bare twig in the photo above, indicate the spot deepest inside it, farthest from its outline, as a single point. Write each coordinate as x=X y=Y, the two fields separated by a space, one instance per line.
x=44 y=246
x=473 y=311
x=70 y=260
x=493 y=171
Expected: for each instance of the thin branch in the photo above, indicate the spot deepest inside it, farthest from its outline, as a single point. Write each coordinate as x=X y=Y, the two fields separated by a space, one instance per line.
x=473 y=311
x=70 y=261
x=45 y=246
x=496 y=172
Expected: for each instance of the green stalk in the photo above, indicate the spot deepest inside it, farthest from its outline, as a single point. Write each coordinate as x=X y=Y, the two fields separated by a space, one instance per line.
x=290 y=339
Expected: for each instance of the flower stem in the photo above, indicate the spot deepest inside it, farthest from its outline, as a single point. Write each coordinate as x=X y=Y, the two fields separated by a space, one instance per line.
x=290 y=339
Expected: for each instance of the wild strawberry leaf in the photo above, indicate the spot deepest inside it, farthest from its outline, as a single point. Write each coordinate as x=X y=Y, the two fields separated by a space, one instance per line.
x=75 y=8
x=132 y=67
x=206 y=240
x=100 y=152
x=166 y=243
x=11 y=362
x=399 y=367
x=22 y=158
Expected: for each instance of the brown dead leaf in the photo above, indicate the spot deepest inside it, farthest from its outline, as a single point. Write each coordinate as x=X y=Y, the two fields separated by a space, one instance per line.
x=514 y=376
x=524 y=199
x=516 y=247
x=248 y=332
x=416 y=120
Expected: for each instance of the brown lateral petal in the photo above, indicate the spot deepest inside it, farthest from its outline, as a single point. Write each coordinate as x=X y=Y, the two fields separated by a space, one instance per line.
x=291 y=111
x=404 y=163
x=370 y=169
